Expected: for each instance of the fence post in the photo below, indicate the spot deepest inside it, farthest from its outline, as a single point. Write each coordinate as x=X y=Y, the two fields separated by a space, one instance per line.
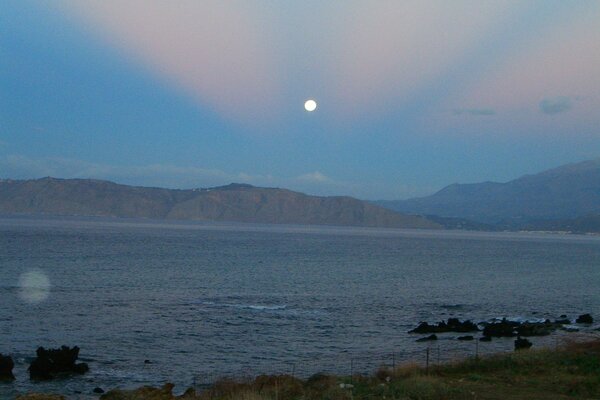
x=476 y=349
x=438 y=358
x=293 y=370
x=351 y=370
x=393 y=362
x=427 y=361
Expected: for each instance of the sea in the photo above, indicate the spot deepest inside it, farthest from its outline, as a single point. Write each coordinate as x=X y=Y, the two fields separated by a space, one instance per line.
x=149 y=302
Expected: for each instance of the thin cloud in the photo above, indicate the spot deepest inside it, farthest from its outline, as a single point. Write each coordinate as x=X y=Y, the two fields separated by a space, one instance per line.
x=556 y=105
x=480 y=112
x=315 y=177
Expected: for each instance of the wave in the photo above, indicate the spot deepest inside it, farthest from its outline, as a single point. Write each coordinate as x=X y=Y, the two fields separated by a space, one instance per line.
x=520 y=320
x=245 y=306
x=274 y=309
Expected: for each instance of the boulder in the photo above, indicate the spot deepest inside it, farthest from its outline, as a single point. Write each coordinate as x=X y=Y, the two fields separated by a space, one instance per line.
x=428 y=338
x=468 y=337
x=585 y=319
x=485 y=339
x=6 y=366
x=52 y=362
x=522 y=344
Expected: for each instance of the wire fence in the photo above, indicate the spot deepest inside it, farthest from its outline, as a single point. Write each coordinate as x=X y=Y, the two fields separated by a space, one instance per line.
x=431 y=354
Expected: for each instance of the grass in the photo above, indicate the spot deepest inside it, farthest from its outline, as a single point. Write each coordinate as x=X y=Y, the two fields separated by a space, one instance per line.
x=571 y=371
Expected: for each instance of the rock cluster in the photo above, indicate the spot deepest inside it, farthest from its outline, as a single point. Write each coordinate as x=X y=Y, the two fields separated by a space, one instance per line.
x=501 y=328
x=53 y=362
x=453 y=325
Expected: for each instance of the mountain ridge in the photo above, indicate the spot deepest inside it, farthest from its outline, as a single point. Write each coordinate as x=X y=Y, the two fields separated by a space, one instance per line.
x=234 y=203
x=565 y=192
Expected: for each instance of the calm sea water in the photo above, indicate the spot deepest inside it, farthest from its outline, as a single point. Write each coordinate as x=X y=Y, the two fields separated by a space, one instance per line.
x=207 y=300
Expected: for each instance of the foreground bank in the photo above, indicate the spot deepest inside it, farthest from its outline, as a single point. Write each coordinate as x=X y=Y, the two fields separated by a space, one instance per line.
x=571 y=371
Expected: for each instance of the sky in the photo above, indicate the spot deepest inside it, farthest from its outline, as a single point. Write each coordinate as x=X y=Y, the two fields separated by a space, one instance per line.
x=412 y=95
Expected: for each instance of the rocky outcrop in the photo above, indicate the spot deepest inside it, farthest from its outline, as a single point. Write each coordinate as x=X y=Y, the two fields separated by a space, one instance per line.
x=6 y=366
x=53 y=362
x=452 y=325
x=428 y=338
x=585 y=319
x=522 y=344
x=506 y=328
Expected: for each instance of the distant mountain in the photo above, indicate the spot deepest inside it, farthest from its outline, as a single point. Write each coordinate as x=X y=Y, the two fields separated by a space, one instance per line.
x=235 y=202
x=566 y=192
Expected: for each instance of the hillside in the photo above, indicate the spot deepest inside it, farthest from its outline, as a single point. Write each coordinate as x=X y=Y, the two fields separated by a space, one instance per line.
x=235 y=202
x=566 y=192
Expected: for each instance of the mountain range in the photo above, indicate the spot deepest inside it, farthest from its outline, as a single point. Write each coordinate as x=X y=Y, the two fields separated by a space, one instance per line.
x=566 y=198
x=235 y=202
x=568 y=192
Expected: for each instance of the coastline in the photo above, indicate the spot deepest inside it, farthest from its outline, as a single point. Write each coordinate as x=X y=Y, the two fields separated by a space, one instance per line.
x=570 y=371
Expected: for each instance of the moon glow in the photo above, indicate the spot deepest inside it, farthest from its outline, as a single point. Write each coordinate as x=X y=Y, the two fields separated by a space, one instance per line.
x=310 y=105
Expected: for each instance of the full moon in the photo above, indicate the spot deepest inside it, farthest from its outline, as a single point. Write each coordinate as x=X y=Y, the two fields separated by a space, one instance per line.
x=310 y=105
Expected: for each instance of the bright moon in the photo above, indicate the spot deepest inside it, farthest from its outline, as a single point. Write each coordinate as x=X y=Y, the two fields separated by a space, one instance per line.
x=310 y=105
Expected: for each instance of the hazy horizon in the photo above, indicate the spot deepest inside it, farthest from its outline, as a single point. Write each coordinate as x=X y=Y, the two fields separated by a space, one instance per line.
x=411 y=96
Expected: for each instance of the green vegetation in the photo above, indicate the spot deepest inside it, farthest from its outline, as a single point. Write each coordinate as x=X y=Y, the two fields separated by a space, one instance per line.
x=571 y=371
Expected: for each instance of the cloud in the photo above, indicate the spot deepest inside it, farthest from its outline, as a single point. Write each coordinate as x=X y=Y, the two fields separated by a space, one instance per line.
x=315 y=177
x=474 y=111
x=556 y=105
x=161 y=175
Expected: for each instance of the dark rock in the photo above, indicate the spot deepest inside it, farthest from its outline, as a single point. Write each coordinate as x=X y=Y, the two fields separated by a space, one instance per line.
x=563 y=320
x=424 y=327
x=536 y=328
x=98 y=390
x=452 y=325
x=485 y=339
x=147 y=362
x=6 y=366
x=502 y=328
x=428 y=338
x=52 y=362
x=522 y=344
x=468 y=337
x=585 y=319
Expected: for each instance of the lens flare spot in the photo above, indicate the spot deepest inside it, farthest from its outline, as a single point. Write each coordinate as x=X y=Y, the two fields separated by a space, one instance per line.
x=34 y=286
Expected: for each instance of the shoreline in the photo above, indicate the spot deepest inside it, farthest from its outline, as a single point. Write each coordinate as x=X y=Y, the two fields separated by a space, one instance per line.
x=571 y=370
